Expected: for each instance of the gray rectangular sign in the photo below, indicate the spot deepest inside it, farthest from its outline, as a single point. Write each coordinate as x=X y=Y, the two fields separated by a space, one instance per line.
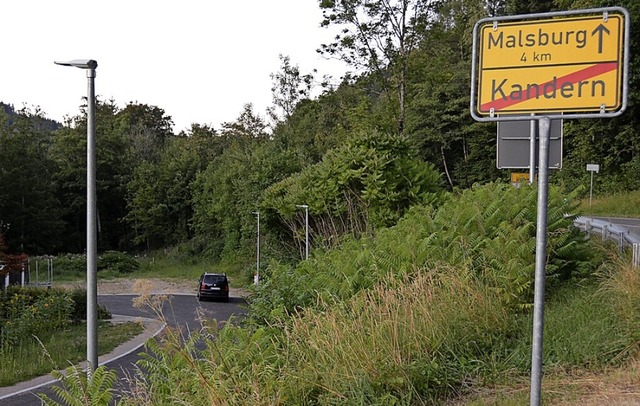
x=513 y=144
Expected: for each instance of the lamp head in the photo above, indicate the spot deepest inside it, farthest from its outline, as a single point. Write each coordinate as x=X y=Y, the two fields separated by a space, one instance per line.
x=79 y=63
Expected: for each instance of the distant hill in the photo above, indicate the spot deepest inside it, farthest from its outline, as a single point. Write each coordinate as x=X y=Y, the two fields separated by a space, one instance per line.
x=44 y=123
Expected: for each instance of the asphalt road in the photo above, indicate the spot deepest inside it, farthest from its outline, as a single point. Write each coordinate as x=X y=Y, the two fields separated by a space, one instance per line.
x=180 y=311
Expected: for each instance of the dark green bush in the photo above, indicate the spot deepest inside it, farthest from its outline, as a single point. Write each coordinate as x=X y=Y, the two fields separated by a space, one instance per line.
x=116 y=261
x=79 y=311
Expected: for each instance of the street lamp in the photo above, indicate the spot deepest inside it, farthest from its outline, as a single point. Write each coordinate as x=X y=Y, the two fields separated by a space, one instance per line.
x=256 y=278
x=306 y=229
x=592 y=168
x=92 y=251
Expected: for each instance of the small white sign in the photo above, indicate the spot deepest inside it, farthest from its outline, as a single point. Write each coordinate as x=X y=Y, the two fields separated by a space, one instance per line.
x=593 y=168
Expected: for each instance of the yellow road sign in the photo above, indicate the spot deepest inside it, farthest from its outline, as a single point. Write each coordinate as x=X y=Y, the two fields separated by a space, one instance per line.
x=517 y=177
x=551 y=65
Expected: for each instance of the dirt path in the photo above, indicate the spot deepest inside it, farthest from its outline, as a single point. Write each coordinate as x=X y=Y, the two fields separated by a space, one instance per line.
x=152 y=285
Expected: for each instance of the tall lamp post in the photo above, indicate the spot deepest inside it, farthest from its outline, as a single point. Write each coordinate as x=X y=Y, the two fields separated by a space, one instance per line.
x=592 y=168
x=306 y=228
x=256 y=278
x=92 y=246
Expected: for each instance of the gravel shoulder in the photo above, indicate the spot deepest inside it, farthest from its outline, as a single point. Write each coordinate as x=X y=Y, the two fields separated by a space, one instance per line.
x=126 y=286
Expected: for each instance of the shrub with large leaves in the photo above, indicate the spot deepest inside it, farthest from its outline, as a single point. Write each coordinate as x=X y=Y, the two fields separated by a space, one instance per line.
x=370 y=181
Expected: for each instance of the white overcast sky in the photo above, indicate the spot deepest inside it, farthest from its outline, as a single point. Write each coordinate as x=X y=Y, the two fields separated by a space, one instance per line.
x=199 y=60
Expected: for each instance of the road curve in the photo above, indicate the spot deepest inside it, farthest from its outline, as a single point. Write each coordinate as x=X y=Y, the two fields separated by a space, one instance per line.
x=182 y=311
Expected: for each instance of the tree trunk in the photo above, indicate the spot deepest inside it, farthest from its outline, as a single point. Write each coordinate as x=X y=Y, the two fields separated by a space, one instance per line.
x=446 y=168
x=401 y=97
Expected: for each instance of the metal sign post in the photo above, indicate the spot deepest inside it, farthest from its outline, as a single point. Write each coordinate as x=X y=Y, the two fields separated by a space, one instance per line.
x=561 y=65
x=544 y=125
x=532 y=149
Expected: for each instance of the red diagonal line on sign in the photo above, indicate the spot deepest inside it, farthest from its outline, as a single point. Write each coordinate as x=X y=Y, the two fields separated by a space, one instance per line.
x=574 y=77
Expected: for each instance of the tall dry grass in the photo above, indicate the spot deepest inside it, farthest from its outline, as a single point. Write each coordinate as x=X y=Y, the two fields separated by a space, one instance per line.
x=621 y=285
x=412 y=343
x=591 y=348
x=420 y=339
x=409 y=341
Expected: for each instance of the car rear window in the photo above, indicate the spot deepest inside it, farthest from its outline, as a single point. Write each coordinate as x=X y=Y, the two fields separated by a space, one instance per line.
x=214 y=278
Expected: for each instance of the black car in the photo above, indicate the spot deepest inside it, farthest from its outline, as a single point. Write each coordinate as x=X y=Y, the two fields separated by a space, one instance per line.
x=214 y=286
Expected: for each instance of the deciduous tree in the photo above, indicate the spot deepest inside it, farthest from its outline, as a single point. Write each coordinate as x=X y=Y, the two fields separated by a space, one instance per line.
x=28 y=198
x=377 y=36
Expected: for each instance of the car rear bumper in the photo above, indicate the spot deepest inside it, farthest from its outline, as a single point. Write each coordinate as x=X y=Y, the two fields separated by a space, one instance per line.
x=209 y=293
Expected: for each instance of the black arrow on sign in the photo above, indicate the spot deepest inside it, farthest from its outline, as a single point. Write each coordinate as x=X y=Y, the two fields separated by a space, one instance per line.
x=600 y=29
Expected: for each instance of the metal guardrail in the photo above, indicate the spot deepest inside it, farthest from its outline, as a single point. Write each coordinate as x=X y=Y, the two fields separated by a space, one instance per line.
x=610 y=231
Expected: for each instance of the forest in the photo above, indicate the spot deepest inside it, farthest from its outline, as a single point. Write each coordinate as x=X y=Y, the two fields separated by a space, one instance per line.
x=393 y=133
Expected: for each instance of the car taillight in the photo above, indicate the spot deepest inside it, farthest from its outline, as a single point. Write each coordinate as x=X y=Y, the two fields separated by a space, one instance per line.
x=203 y=286
x=226 y=288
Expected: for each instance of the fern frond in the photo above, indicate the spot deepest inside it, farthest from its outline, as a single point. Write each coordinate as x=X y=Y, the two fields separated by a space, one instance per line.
x=77 y=390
